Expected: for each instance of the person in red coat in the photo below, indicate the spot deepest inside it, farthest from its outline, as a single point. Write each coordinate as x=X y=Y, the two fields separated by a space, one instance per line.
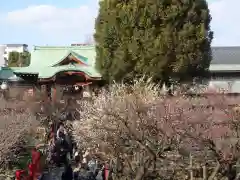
x=34 y=166
x=19 y=174
x=106 y=171
x=30 y=172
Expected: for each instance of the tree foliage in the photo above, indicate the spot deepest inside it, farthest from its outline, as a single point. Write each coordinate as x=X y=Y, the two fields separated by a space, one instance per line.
x=16 y=59
x=17 y=130
x=164 y=40
x=149 y=136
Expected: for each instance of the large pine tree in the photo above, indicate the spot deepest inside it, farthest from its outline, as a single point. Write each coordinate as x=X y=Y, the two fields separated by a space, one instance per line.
x=161 y=39
x=16 y=59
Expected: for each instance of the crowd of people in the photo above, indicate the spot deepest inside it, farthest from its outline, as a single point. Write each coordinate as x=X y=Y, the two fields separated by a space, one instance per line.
x=63 y=152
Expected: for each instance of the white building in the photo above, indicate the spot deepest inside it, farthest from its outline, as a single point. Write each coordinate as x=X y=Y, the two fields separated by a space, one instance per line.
x=5 y=49
x=2 y=55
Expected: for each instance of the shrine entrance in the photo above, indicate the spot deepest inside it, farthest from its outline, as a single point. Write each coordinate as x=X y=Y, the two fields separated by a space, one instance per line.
x=70 y=78
x=67 y=84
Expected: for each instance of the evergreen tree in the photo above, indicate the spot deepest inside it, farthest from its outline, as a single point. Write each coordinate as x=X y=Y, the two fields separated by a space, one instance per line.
x=163 y=39
x=13 y=59
x=16 y=59
x=25 y=58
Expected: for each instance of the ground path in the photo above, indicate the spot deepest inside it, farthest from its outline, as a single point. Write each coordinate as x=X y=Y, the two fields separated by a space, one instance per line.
x=53 y=174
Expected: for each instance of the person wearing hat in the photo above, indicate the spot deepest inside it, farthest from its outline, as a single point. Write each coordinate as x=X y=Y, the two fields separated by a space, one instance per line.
x=61 y=132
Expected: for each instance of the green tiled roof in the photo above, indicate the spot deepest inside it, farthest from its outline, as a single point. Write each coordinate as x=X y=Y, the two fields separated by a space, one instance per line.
x=44 y=72
x=45 y=60
x=50 y=55
x=7 y=74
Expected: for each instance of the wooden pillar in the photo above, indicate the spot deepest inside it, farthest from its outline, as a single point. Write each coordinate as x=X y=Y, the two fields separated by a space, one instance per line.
x=54 y=93
x=39 y=87
x=48 y=92
x=43 y=91
x=36 y=89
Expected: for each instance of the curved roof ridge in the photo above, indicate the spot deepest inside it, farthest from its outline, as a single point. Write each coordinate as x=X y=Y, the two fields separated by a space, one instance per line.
x=79 y=56
x=71 y=52
x=64 y=57
x=63 y=47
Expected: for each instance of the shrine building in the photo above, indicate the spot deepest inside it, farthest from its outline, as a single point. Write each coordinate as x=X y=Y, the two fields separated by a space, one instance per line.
x=53 y=66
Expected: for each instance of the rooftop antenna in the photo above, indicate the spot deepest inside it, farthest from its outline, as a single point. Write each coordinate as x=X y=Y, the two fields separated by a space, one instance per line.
x=89 y=39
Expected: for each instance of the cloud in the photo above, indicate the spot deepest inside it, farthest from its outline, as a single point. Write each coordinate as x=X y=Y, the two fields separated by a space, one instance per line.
x=60 y=25
x=225 y=22
x=51 y=21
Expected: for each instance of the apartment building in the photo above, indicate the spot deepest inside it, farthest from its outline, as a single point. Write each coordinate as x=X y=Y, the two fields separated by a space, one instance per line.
x=5 y=49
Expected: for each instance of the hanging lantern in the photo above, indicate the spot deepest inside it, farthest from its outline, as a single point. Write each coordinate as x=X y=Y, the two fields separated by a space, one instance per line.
x=4 y=86
x=86 y=94
x=164 y=89
x=76 y=88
